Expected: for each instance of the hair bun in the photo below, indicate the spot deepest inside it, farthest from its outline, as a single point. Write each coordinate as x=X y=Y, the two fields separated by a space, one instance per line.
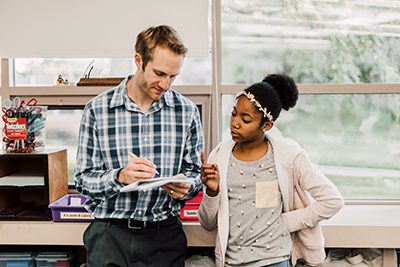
x=285 y=87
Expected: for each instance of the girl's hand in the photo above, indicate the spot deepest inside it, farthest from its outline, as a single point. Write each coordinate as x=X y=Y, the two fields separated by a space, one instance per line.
x=209 y=176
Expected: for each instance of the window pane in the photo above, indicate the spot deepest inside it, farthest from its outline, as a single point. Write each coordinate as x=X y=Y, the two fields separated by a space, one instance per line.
x=44 y=71
x=313 y=41
x=355 y=141
x=58 y=134
x=196 y=70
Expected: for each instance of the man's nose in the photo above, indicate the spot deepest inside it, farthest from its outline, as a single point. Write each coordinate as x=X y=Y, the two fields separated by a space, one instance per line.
x=165 y=82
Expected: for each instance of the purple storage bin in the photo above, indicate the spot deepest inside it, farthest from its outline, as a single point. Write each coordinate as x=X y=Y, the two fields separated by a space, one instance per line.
x=62 y=210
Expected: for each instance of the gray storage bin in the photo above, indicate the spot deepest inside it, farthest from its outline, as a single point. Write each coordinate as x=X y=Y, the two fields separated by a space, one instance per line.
x=52 y=259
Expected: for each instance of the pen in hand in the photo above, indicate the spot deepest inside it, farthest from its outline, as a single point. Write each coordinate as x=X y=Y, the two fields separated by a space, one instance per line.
x=135 y=157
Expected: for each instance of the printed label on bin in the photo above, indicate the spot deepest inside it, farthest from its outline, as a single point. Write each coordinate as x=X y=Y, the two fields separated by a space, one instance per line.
x=15 y=128
x=190 y=213
x=75 y=215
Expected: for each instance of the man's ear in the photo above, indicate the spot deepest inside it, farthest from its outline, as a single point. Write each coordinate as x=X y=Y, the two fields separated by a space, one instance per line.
x=138 y=61
x=267 y=126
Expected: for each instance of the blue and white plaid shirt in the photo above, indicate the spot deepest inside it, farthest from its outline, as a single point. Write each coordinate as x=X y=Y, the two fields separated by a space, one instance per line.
x=169 y=134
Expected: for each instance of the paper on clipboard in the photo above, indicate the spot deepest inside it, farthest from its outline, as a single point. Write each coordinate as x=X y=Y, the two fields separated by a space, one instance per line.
x=156 y=182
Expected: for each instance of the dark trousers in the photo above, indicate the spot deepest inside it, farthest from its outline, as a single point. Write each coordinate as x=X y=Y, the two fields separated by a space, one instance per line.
x=113 y=243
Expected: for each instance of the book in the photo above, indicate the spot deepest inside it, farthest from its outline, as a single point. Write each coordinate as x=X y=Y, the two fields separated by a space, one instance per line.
x=156 y=182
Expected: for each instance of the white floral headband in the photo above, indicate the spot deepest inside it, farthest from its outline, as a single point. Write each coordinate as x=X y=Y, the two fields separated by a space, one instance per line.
x=252 y=98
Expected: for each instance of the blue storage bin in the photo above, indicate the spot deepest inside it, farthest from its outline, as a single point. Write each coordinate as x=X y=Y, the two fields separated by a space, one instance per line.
x=16 y=259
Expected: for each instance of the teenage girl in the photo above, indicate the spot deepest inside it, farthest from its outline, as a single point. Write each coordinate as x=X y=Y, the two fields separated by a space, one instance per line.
x=263 y=194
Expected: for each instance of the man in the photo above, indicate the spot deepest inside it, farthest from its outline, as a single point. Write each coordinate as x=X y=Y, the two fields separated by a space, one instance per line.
x=162 y=128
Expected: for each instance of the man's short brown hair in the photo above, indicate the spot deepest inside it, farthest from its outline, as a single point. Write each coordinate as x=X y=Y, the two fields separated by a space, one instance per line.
x=162 y=35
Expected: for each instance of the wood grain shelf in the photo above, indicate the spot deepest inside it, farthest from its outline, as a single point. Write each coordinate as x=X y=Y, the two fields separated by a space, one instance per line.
x=100 y=81
x=29 y=182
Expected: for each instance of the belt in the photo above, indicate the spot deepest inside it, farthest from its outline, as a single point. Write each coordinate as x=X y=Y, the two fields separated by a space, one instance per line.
x=140 y=225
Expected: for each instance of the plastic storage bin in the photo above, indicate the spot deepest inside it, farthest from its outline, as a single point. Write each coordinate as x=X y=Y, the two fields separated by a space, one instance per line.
x=24 y=128
x=53 y=259
x=70 y=209
x=16 y=259
x=190 y=210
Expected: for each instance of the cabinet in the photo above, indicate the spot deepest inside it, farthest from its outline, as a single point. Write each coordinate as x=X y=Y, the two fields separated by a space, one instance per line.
x=30 y=182
x=355 y=226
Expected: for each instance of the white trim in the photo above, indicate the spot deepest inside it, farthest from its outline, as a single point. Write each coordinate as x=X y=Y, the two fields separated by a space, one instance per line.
x=328 y=88
x=5 y=79
x=216 y=72
x=73 y=90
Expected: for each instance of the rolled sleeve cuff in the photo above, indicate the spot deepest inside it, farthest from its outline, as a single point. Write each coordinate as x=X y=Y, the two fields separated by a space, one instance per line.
x=195 y=188
x=115 y=184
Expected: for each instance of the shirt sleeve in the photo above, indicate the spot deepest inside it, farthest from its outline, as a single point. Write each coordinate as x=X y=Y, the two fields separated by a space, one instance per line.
x=91 y=178
x=191 y=164
x=208 y=211
x=326 y=199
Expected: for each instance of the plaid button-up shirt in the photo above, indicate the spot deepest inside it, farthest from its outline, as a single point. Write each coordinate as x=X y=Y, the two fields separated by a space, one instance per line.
x=168 y=134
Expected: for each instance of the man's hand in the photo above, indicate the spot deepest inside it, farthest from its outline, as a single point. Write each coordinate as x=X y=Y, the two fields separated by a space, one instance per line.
x=209 y=176
x=177 y=190
x=137 y=169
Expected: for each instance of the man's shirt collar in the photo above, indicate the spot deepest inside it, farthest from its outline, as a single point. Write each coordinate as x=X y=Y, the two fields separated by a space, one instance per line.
x=120 y=97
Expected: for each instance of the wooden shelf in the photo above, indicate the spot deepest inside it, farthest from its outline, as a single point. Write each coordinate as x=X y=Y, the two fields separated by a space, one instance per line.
x=100 y=81
x=29 y=182
x=22 y=180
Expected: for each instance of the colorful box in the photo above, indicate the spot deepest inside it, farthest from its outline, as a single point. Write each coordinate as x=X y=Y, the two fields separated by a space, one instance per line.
x=190 y=210
x=70 y=209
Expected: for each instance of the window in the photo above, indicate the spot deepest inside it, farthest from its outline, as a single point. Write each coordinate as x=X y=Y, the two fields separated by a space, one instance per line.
x=313 y=41
x=347 y=50
x=340 y=47
x=354 y=141
x=37 y=77
x=42 y=71
x=62 y=128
